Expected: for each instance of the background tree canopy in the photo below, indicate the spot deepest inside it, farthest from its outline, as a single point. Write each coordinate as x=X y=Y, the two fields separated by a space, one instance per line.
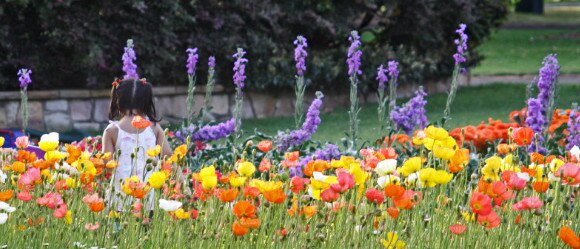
x=78 y=44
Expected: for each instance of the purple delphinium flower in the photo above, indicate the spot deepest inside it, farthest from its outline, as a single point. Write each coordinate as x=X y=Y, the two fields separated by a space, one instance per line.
x=192 y=58
x=300 y=55
x=461 y=44
x=24 y=77
x=211 y=61
x=240 y=68
x=129 y=66
x=411 y=115
x=208 y=132
x=354 y=54
x=547 y=80
x=382 y=77
x=536 y=120
x=309 y=127
x=329 y=152
x=394 y=69
x=574 y=129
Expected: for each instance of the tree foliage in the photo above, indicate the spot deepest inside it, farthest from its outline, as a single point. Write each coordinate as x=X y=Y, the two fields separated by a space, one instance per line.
x=78 y=44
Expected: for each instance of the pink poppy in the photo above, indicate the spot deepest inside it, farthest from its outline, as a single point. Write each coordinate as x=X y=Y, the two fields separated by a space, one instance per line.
x=345 y=182
x=24 y=196
x=329 y=195
x=50 y=200
x=22 y=142
x=60 y=212
x=528 y=203
x=570 y=174
x=92 y=227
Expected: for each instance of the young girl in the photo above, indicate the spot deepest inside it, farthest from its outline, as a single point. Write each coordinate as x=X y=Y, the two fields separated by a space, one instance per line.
x=129 y=98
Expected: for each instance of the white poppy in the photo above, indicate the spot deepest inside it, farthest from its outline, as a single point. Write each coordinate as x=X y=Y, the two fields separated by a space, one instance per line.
x=169 y=205
x=3 y=177
x=575 y=151
x=3 y=218
x=6 y=207
x=523 y=176
x=388 y=179
x=386 y=167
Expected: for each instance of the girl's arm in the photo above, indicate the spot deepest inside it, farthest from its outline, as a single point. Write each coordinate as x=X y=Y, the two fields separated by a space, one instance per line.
x=108 y=140
x=162 y=140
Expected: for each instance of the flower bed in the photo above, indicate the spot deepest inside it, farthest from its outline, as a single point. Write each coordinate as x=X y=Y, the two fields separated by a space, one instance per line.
x=497 y=185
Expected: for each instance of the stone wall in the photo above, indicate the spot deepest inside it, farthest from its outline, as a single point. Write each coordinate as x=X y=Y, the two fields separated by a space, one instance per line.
x=64 y=110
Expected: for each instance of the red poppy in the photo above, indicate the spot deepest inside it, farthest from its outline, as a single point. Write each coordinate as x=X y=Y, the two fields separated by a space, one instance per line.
x=251 y=192
x=491 y=220
x=458 y=229
x=140 y=123
x=481 y=204
x=375 y=196
x=523 y=136
x=394 y=191
x=265 y=145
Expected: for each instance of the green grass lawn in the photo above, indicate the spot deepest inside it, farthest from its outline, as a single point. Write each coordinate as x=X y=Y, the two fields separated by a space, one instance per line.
x=554 y=15
x=520 y=51
x=472 y=105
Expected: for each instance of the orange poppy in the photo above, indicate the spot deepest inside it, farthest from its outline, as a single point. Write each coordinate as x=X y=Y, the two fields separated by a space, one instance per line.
x=6 y=195
x=87 y=178
x=394 y=191
x=97 y=206
x=541 y=187
x=228 y=195
x=315 y=166
x=245 y=209
x=251 y=192
x=309 y=211
x=251 y=223
x=265 y=145
x=459 y=160
x=240 y=230
x=569 y=237
x=393 y=212
x=73 y=153
x=19 y=167
x=26 y=156
x=140 y=123
x=538 y=158
x=140 y=193
x=265 y=165
x=275 y=196
x=43 y=164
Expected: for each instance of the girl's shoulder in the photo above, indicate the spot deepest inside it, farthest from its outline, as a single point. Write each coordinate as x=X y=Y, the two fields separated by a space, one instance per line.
x=112 y=128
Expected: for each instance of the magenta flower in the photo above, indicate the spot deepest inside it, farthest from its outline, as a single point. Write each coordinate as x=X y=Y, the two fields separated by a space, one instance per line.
x=354 y=54
x=129 y=66
x=300 y=55
x=24 y=77
x=211 y=61
x=382 y=76
x=240 y=68
x=461 y=44
x=192 y=58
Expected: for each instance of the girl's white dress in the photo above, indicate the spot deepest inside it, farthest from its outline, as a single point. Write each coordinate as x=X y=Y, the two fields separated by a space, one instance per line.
x=127 y=142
